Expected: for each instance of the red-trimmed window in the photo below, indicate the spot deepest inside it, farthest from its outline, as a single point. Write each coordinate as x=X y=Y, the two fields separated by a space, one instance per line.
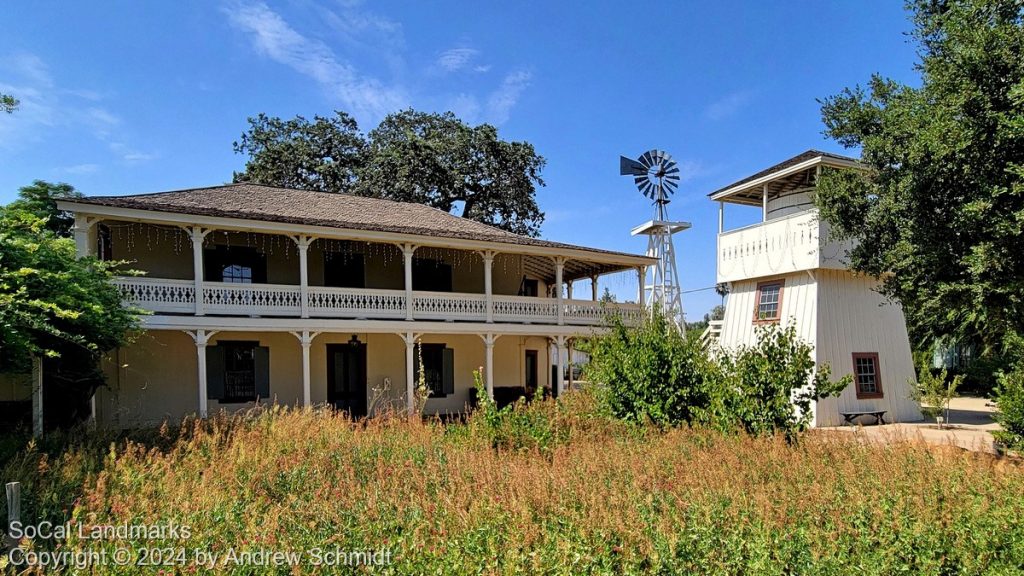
x=866 y=375
x=768 y=301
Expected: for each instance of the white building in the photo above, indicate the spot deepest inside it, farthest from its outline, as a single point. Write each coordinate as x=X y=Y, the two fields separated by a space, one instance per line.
x=271 y=294
x=785 y=270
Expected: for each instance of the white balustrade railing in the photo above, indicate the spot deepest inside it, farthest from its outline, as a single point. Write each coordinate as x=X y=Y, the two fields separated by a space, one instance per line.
x=449 y=306
x=356 y=303
x=159 y=294
x=222 y=298
x=251 y=299
x=525 y=309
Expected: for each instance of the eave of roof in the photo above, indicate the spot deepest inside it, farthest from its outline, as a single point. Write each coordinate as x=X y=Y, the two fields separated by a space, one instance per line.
x=802 y=161
x=447 y=226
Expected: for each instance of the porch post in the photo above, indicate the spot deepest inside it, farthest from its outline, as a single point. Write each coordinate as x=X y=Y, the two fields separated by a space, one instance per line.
x=306 y=340
x=488 y=256
x=410 y=387
x=593 y=287
x=202 y=338
x=641 y=277
x=489 y=340
x=721 y=216
x=559 y=265
x=568 y=289
x=303 y=243
x=764 y=204
x=560 y=347
x=83 y=224
x=198 y=235
x=407 y=252
x=37 y=397
x=568 y=359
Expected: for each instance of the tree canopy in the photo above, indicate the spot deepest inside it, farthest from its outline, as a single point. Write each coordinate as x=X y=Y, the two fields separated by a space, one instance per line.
x=8 y=103
x=429 y=158
x=938 y=214
x=40 y=200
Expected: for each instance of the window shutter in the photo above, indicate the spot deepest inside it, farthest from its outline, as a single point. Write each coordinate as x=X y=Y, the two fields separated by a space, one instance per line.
x=215 y=372
x=448 y=374
x=262 y=356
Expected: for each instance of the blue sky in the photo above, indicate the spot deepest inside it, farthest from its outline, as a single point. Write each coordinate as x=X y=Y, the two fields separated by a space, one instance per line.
x=131 y=97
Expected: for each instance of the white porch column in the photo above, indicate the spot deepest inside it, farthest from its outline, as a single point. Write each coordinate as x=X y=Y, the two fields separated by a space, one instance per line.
x=306 y=341
x=764 y=204
x=303 y=243
x=410 y=377
x=37 y=397
x=560 y=367
x=559 y=267
x=593 y=288
x=568 y=360
x=198 y=235
x=202 y=338
x=489 y=340
x=721 y=216
x=83 y=224
x=641 y=278
x=407 y=252
x=488 y=256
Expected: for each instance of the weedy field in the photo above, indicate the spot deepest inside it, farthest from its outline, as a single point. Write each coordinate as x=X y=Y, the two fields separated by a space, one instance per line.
x=553 y=488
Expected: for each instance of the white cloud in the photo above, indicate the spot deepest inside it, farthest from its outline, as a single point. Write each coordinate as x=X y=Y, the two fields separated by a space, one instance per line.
x=502 y=100
x=274 y=38
x=466 y=107
x=728 y=105
x=455 y=59
x=80 y=169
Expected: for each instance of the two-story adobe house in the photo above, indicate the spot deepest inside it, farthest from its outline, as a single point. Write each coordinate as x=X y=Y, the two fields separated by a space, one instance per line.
x=785 y=269
x=302 y=298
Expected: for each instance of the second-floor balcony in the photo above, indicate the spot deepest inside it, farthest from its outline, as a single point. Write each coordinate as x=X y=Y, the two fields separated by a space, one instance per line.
x=792 y=243
x=172 y=296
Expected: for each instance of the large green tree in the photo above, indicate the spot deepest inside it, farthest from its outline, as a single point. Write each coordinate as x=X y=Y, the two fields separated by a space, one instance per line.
x=938 y=213
x=322 y=155
x=55 y=306
x=40 y=199
x=433 y=159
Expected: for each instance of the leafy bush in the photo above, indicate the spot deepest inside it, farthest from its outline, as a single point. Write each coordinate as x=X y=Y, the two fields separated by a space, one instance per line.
x=773 y=385
x=652 y=372
x=1010 y=415
x=934 y=390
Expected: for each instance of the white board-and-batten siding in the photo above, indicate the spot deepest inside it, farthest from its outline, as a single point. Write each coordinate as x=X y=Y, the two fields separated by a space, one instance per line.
x=838 y=314
x=854 y=318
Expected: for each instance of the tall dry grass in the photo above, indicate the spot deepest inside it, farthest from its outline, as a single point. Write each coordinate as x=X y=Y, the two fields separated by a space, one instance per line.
x=602 y=499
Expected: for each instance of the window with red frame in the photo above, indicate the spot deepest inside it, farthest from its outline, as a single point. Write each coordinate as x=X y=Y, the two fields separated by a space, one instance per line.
x=768 y=307
x=865 y=375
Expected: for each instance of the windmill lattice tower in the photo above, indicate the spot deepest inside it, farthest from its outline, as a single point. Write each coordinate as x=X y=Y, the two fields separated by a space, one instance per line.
x=656 y=175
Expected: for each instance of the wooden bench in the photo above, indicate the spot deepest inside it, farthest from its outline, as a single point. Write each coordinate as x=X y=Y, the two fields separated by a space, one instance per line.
x=879 y=416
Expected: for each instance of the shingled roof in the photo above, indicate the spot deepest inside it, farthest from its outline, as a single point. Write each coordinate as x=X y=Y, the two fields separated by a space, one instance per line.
x=306 y=207
x=798 y=159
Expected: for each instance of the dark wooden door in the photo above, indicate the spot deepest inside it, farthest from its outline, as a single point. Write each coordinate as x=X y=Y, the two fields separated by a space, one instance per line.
x=531 y=372
x=346 y=377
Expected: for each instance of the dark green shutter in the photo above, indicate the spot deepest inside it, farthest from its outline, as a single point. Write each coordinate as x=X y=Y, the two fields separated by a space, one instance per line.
x=448 y=374
x=215 y=372
x=262 y=357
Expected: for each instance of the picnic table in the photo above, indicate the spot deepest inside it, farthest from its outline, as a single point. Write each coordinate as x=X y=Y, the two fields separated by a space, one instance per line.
x=849 y=417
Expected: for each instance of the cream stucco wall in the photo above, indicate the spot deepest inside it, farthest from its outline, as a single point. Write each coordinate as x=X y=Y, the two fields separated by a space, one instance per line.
x=155 y=379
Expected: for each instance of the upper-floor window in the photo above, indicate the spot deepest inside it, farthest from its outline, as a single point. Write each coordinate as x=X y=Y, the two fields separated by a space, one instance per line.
x=104 y=243
x=865 y=374
x=344 y=270
x=235 y=264
x=431 y=275
x=768 y=301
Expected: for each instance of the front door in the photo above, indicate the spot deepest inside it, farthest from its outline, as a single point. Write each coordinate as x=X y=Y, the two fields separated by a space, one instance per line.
x=531 y=373
x=346 y=377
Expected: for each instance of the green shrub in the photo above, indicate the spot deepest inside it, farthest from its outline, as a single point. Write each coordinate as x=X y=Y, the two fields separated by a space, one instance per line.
x=652 y=373
x=1010 y=403
x=774 y=383
x=934 y=390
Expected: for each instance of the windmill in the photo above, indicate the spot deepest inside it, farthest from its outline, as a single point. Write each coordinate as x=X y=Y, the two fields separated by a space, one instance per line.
x=656 y=175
